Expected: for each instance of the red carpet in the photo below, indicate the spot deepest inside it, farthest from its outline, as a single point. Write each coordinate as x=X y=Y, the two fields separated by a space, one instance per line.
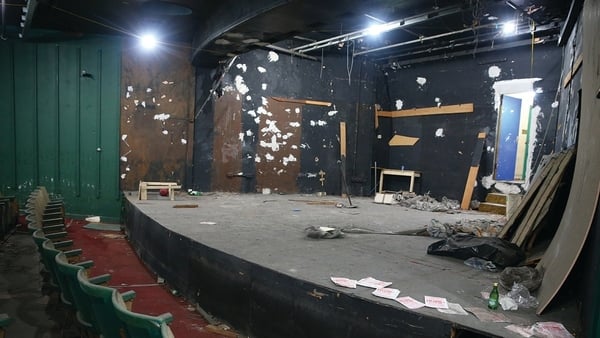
x=112 y=254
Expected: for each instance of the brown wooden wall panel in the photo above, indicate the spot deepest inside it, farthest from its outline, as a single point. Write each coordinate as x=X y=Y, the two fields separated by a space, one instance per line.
x=227 y=147
x=157 y=109
x=278 y=151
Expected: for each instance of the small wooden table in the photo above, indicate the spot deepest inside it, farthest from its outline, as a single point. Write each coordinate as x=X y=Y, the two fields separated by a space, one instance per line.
x=145 y=186
x=399 y=172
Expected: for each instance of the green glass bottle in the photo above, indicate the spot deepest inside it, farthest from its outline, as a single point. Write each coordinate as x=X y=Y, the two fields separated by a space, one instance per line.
x=493 y=300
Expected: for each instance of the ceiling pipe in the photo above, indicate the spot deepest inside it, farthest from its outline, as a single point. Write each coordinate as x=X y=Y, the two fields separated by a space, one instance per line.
x=290 y=51
x=392 y=25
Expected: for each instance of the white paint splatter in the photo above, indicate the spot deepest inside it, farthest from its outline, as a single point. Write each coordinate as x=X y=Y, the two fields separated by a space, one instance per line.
x=242 y=66
x=240 y=85
x=555 y=104
x=162 y=117
x=249 y=133
x=261 y=69
x=273 y=57
x=311 y=175
x=143 y=104
x=263 y=86
x=163 y=96
x=288 y=110
x=264 y=101
x=241 y=137
x=261 y=110
x=123 y=158
x=294 y=146
x=271 y=127
x=297 y=110
x=123 y=176
x=127 y=168
x=288 y=159
x=421 y=81
x=439 y=132
x=153 y=100
x=248 y=98
x=304 y=146
x=148 y=90
x=183 y=141
x=287 y=136
x=127 y=95
x=494 y=72
x=319 y=123
x=124 y=137
x=257 y=120
x=269 y=157
x=165 y=132
x=399 y=104
x=136 y=102
x=280 y=171
x=332 y=112
x=129 y=88
x=539 y=90
x=251 y=113
x=316 y=159
x=125 y=108
x=438 y=101
x=237 y=97
x=257 y=159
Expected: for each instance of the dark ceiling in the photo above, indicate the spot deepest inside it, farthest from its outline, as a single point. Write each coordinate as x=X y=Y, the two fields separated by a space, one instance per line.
x=216 y=30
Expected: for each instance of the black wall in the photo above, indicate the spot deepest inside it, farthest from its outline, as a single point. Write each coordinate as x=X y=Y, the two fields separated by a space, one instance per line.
x=293 y=77
x=445 y=161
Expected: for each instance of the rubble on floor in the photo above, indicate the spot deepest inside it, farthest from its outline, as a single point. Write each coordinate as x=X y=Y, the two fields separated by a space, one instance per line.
x=476 y=227
x=426 y=202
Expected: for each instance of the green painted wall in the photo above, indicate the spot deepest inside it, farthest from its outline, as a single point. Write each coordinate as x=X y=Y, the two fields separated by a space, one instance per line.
x=58 y=128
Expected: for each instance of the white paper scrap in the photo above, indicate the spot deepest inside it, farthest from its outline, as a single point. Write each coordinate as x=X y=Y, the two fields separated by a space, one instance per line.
x=523 y=331
x=454 y=309
x=371 y=282
x=551 y=329
x=410 y=302
x=345 y=282
x=436 y=302
x=388 y=293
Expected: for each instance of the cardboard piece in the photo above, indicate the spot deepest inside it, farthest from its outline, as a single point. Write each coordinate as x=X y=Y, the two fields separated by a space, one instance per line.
x=401 y=140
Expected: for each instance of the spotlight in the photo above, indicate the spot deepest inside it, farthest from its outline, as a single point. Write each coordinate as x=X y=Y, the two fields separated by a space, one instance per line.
x=385 y=27
x=148 y=41
x=509 y=28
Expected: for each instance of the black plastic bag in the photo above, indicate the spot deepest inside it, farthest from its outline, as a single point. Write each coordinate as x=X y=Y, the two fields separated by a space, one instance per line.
x=497 y=250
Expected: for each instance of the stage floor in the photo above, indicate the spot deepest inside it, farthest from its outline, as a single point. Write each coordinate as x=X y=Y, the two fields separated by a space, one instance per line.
x=269 y=230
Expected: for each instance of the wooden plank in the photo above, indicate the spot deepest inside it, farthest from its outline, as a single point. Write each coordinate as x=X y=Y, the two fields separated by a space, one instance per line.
x=561 y=255
x=343 y=138
x=539 y=177
x=544 y=199
x=472 y=176
x=401 y=140
x=302 y=101
x=377 y=110
x=573 y=71
x=452 y=109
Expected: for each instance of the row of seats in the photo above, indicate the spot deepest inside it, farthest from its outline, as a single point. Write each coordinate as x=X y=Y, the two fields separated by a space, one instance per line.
x=100 y=311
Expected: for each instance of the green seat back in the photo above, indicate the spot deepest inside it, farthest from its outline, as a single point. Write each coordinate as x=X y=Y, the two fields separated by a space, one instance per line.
x=48 y=254
x=100 y=299
x=139 y=325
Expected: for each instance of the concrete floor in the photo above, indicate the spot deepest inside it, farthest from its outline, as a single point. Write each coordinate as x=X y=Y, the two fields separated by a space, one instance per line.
x=268 y=230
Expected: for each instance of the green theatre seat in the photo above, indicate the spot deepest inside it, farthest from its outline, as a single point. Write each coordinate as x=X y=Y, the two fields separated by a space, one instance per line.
x=49 y=252
x=4 y=321
x=139 y=325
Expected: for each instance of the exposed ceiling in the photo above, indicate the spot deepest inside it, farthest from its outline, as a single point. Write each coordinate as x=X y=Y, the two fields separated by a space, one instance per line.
x=216 y=30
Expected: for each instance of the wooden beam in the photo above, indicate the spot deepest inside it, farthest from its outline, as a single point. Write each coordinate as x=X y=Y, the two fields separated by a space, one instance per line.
x=573 y=71
x=303 y=101
x=343 y=139
x=453 y=109
x=401 y=140
x=472 y=176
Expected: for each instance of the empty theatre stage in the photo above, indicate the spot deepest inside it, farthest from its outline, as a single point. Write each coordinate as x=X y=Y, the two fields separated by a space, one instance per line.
x=245 y=259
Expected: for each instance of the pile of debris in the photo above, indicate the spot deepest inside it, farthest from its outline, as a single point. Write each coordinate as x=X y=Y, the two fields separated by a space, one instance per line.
x=426 y=202
x=476 y=227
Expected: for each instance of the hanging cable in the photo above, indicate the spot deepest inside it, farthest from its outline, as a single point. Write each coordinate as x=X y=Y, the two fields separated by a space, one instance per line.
x=349 y=61
x=215 y=85
x=532 y=29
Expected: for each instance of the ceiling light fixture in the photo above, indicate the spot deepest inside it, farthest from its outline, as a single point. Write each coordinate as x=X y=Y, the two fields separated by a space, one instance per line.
x=378 y=29
x=148 y=41
x=509 y=28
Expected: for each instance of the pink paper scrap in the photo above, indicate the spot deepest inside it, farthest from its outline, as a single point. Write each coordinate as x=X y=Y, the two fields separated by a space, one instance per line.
x=522 y=330
x=371 y=282
x=410 y=302
x=388 y=293
x=345 y=282
x=436 y=302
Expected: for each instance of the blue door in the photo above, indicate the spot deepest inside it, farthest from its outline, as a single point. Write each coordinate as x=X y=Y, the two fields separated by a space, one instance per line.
x=508 y=138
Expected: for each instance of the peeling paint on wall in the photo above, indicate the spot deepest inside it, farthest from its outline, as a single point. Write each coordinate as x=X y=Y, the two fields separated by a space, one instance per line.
x=288 y=159
x=294 y=124
x=269 y=157
x=162 y=116
x=421 y=81
x=555 y=104
x=241 y=137
x=273 y=57
x=494 y=72
x=242 y=67
x=319 y=123
x=249 y=133
x=240 y=85
x=332 y=112
x=251 y=113
x=439 y=132
x=399 y=104
x=261 y=69
x=263 y=86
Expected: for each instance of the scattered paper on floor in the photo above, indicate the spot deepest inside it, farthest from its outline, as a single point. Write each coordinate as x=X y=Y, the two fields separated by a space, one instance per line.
x=551 y=329
x=410 y=302
x=436 y=302
x=371 y=282
x=488 y=316
x=345 y=282
x=523 y=331
x=454 y=309
x=388 y=293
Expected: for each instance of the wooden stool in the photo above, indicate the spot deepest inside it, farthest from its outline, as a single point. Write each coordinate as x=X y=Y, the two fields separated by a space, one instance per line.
x=145 y=186
x=399 y=172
